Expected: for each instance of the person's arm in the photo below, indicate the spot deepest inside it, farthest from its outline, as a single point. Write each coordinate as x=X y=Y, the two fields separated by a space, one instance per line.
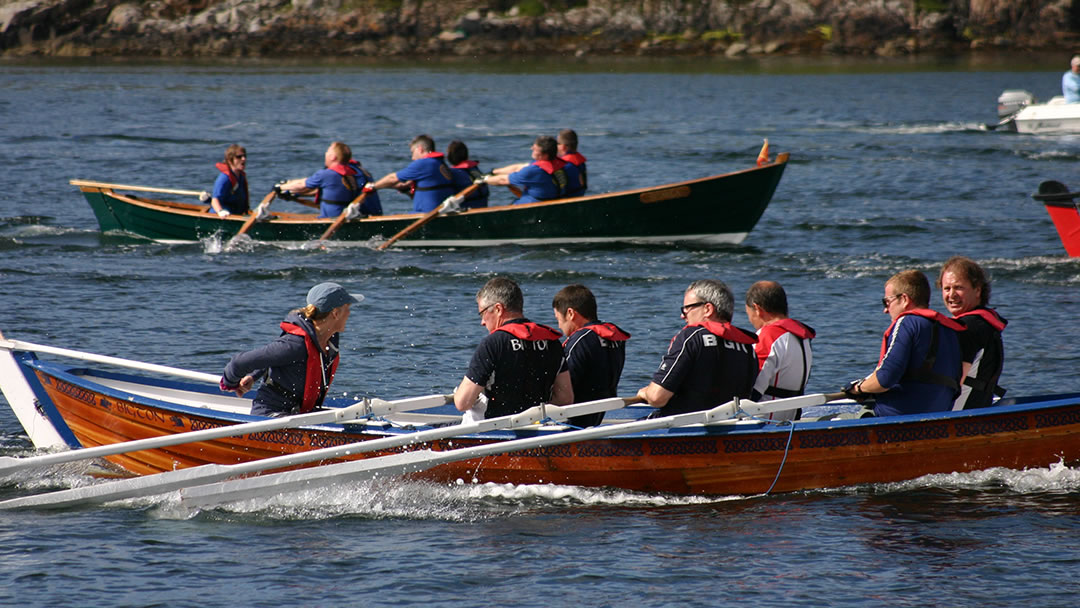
x=508 y=169
x=655 y=395
x=562 y=393
x=465 y=394
x=297 y=186
x=386 y=181
x=497 y=180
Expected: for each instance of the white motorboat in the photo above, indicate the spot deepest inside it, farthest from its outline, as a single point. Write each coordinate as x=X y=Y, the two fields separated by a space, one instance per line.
x=1020 y=112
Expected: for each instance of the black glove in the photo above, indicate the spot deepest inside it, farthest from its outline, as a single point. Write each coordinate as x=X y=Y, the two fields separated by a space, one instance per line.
x=859 y=397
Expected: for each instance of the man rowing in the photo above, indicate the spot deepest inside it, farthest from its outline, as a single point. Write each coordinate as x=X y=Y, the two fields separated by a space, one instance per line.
x=427 y=178
x=710 y=361
x=783 y=346
x=337 y=184
x=568 y=143
x=595 y=351
x=919 y=368
x=547 y=177
x=965 y=290
x=518 y=365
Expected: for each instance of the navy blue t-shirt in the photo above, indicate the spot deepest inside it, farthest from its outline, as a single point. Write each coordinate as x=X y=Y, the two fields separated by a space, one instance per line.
x=705 y=370
x=516 y=374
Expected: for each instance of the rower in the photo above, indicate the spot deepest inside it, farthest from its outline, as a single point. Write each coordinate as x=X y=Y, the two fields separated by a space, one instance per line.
x=783 y=346
x=337 y=185
x=709 y=361
x=546 y=178
x=965 y=290
x=919 y=367
x=568 y=152
x=595 y=351
x=518 y=365
x=231 y=188
x=426 y=179
x=300 y=364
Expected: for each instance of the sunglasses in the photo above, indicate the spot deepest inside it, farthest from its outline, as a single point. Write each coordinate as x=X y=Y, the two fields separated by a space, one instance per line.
x=886 y=301
x=689 y=307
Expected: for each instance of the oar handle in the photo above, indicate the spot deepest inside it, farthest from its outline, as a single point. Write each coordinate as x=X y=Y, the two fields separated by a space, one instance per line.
x=90 y=184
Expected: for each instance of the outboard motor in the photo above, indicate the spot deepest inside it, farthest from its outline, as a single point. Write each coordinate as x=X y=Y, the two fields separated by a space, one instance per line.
x=1012 y=101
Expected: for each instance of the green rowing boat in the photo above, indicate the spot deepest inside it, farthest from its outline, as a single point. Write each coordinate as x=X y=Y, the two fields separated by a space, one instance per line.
x=711 y=210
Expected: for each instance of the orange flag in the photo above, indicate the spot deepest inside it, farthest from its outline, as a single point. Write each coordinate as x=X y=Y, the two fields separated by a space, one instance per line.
x=763 y=156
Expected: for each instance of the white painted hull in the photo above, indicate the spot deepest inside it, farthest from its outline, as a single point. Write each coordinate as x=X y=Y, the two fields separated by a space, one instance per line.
x=1055 y=116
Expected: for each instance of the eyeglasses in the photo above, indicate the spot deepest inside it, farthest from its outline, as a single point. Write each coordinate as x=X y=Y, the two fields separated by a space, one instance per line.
x=689 y=307
x=485 y=309
x=886 y=301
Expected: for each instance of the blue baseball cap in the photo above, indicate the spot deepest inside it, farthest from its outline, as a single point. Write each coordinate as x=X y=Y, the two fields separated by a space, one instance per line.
x=328 y=296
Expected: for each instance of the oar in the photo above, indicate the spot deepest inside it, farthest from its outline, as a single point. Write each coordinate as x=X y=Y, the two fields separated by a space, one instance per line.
x=362 y=409
x=345 y=214
x=173 y=480
x=307 y=202
x=430 y=215
x=255 y=214
x=89 y=184
x=420 y=460
x=75 y=354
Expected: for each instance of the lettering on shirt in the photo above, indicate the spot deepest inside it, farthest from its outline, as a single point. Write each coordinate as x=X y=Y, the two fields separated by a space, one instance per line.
x=742 y=348
x=708 y=340
x=516 y=344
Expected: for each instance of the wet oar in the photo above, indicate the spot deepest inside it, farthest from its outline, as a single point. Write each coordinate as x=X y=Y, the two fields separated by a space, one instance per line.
x=430 y=215
x=89 y=184
x=350 y=211
x=420 y=460
x=256 y=213
x=75 y=354
x=363 y=409
x=173 y=480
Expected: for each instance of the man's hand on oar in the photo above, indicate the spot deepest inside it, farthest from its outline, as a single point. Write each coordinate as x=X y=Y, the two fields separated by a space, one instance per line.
x=260 y=212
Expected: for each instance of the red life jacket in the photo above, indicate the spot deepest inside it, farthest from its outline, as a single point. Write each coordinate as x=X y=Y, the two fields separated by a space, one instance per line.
x=234 y=180
x=727 y=331
x=550 y=166
x=314 y=389
x=465 y=164
x=347 y=172
x=433 y=155
x=989 y=315
x=349 y=169
x=926 y=313
x=574 y=158
x=607 y=331
x=771 y=333
x=527 y=330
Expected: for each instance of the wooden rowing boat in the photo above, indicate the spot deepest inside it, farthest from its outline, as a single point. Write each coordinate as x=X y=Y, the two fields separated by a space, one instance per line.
x=93 y=407
x=712 y=210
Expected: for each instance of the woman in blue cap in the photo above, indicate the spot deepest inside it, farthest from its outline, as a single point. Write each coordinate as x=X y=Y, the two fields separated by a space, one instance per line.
x=299 y=366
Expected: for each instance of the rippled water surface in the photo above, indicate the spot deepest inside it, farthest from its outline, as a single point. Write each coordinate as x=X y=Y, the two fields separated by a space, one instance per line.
x=889 y=170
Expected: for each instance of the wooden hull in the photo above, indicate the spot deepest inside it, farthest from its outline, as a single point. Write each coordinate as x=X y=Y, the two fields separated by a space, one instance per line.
x=712 y=210
x=742 y=457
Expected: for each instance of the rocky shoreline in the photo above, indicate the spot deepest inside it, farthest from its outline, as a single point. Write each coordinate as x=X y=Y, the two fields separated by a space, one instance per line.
x=414 y=28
